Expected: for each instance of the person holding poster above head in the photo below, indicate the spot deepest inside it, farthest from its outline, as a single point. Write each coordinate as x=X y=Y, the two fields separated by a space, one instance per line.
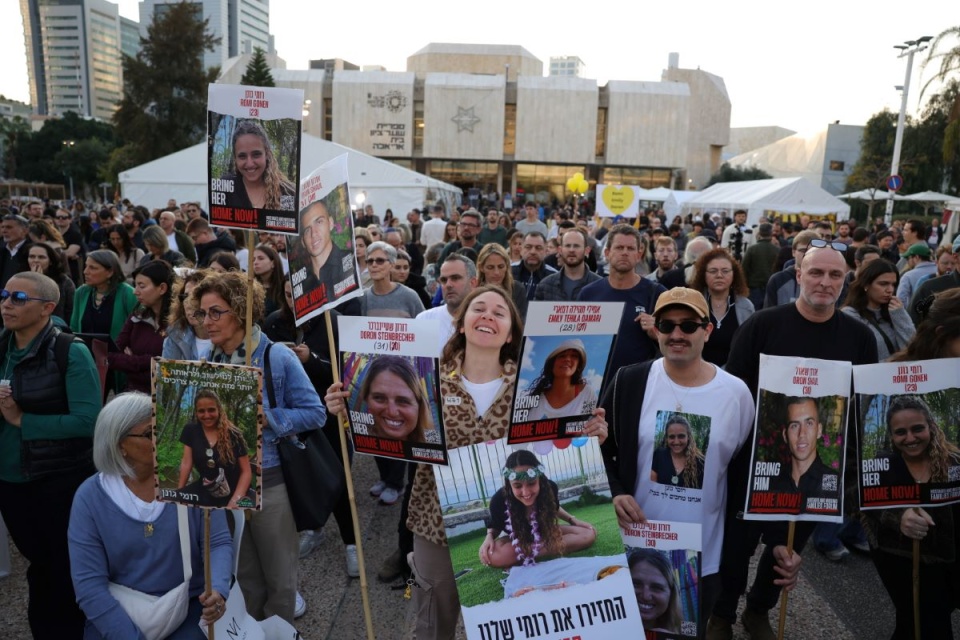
x=526 y=509
x=215 y=448
x=257 y=180
x=804 y=471
x=656 y=590
x=920 y=454
x=646 y=403
x=561 y=388
x=810 y=327
x=678 y=460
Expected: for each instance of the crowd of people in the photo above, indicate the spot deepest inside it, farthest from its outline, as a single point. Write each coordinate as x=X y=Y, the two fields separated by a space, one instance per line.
x=704 y=297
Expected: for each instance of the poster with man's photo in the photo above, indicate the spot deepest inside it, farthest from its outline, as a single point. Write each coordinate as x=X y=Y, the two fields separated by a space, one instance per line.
x=390 y=368
x=208 y=421
x=909 y=431
x=796 y=472
x=253 y=156
x=534 y=541
x=323 y=263
x=664 y=561
x=564 y=356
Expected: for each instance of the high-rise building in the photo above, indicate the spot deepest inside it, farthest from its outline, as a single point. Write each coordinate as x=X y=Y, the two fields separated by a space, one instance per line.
x=241 y=25
x=129 y=37
x=73 y=56
x=567 y=66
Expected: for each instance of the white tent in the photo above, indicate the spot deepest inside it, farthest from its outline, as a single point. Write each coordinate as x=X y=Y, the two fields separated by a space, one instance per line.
x=767 y=197
x=183 y=176
x=674 y=202
x=870 y=194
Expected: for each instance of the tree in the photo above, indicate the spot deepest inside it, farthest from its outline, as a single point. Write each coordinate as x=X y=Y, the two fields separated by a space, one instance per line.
x=36 y=154
x=12 y=131
x=164 y=104
x=258 y=73
x=737 y=174
x=949 y=59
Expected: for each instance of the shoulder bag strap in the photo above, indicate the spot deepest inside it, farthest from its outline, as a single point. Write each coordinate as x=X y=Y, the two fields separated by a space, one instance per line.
x=883 y=334
x=184 y=527
x=268 y=378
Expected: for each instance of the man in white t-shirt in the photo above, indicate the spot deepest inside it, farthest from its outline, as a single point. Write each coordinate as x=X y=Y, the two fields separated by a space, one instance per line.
x=458 y=277
x=434 y=229
x=679 y=388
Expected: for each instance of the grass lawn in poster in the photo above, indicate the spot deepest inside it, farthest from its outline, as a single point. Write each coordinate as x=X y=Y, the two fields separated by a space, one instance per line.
x=564 y=357
x=323 y=264
x=207 y=433
x=909 y=413
x=796 y=471
x=555 y=567
x=253 y=158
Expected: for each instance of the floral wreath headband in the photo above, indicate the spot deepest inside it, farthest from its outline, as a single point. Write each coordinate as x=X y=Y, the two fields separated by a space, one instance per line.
x=524 y=476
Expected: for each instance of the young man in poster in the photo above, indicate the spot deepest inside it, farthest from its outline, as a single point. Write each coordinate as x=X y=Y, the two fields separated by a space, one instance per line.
x=329 y=265
x=804 y=472
x=680 y=383
x=809 y=327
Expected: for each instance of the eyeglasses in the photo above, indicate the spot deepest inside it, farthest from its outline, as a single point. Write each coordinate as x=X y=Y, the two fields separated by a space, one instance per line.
x=19 y=298
x=376 y=261
x=215 y=314
x=719 y=272
x=63 y=217
x=469 y=224
x=687 y=326
x=836 y=246
x=146 y=434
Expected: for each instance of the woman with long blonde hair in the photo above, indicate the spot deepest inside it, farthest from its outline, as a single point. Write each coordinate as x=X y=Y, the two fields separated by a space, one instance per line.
x=257 y=179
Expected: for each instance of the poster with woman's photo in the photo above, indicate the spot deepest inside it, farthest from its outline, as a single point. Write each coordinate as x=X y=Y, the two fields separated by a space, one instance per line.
x=796 y=472
x=323 y=263
x=253 y=156
x=664 y=562
x=208 y=420
x=390 y=368
x=564 y=356
x=534 y=541
x=909 y=430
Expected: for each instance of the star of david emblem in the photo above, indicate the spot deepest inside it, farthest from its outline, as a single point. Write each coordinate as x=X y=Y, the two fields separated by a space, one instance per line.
x=465 y=119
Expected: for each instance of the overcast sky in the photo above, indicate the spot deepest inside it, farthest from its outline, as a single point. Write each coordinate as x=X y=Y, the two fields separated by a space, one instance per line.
x=800 y=68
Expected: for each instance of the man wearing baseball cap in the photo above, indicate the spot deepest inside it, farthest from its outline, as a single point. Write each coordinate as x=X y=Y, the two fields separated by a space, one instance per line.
x=921 y=265
x=681 y=387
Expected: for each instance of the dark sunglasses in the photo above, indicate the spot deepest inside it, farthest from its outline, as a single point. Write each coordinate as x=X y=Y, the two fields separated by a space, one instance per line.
x=63 y=217
x=836 y=246
x=377 y=261
x=19 y=298
x=687 y=326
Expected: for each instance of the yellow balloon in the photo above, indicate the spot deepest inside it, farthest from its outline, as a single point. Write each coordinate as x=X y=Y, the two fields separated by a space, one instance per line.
x=571 y=185
x=578 y=176
x=583 y=186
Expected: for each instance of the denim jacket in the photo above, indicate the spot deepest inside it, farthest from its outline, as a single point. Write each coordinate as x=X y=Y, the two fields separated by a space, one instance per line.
x=300 y=408
x=181 y=344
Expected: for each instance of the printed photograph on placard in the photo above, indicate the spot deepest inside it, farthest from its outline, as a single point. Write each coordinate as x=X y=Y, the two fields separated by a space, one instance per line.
x=207 y=428
x=797 y=467
x=563 y=359
x=323 y=264
x=254 y=136
x=908 y=453
x=533 y=538
x=664 y=559
x=393 y=406
x=681 y=449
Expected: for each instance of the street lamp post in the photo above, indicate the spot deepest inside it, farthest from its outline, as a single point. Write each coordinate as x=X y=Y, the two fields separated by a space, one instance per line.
x=907 y=49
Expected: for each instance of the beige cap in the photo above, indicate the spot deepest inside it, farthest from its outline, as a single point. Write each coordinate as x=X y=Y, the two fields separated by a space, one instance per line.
x=684 y=297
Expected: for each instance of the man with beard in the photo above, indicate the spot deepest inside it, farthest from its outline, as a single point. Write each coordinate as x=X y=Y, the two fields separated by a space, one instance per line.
x=132 y=221
x=75 y=252
x=532 y=270
x=665 y=254
x=493 y=231
x=458 y=277
x=468 y=234
x=573 y=276
x=636 y=337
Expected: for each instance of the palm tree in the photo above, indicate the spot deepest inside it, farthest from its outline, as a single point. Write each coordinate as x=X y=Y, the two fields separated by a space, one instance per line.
x=945 y=48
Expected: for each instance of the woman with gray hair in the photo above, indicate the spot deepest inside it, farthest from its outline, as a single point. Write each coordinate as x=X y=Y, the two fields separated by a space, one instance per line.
x=104 y=303
x=124 y=544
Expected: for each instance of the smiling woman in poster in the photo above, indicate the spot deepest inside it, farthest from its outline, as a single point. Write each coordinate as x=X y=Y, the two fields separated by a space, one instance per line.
x=526 y=510
x=561 y=387
x=257 y=179
x=921 y=454
x=215 y=447
x=678 y=460
x=656 y=590
x=391 y=392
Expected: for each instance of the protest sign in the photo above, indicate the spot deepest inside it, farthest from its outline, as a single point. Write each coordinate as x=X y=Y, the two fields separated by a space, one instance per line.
x=565 y=352
x=323 y=264
x=207 y=425
x=908 y=417
x=253 y=156
x=553 y=530
x=391 y=371
x=797 y=464
x=618 y=200
x=664 y=563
